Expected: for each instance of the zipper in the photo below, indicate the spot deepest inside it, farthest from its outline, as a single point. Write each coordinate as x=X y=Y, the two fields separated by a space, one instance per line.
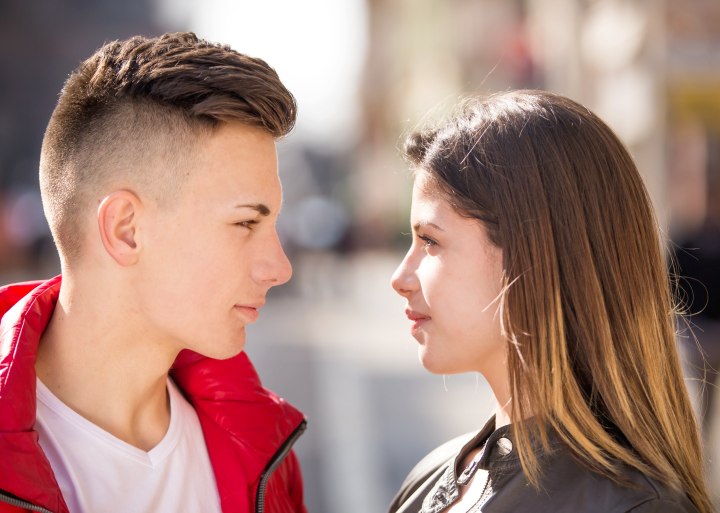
x=484 y=496
x=14 y=501
x=274 y=463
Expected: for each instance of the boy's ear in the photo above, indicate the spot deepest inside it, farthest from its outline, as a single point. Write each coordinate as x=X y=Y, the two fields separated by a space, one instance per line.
x=117 y=217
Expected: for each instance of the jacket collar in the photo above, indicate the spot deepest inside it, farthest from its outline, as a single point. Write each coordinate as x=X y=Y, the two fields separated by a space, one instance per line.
x=25 y=473
x=499 y=460
x=241 y=420
x=229 y=399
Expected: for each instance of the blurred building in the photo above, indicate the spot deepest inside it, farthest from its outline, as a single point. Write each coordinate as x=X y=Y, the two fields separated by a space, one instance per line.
x=40 y=43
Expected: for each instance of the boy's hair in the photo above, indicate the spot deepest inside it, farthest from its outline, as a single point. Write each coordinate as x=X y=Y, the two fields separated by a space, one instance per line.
x=137 y=103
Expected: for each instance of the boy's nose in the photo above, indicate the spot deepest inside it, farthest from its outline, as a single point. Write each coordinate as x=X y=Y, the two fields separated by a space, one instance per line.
x=274 y=268
x=285 y=268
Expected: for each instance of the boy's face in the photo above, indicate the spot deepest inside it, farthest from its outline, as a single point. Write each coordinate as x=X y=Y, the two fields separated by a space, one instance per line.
x=209 y=259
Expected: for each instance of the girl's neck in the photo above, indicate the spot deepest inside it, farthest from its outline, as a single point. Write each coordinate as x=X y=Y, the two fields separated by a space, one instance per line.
x=503 y=413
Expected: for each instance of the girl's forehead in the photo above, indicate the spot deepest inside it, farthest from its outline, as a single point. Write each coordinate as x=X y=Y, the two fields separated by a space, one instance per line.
x=425 y=184
x=430 y=207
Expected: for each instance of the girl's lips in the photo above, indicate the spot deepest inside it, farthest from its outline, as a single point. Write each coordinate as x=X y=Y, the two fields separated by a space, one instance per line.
x=417 y=318
x=418 y=323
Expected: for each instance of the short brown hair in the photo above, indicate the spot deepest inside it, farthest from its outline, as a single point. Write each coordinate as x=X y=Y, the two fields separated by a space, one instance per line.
x=146 y=98
x=587 y=306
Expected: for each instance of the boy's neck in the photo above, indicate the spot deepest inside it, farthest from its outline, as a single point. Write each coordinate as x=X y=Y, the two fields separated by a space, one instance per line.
x=95 y=360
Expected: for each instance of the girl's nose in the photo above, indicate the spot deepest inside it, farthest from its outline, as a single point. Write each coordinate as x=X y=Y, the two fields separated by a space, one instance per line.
x=404 y=280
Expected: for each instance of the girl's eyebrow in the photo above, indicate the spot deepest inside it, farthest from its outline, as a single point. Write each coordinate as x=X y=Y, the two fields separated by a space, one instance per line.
x=263 y=210
x=420 y=224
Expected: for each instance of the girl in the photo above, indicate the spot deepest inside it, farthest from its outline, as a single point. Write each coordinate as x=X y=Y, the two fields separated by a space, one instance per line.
x=536 y=261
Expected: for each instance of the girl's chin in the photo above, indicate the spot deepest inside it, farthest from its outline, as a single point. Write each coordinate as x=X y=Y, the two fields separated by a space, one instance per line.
x=433 y=366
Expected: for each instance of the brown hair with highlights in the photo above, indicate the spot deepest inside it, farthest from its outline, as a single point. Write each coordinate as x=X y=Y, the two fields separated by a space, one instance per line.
x=137 y=103
x=587 y=310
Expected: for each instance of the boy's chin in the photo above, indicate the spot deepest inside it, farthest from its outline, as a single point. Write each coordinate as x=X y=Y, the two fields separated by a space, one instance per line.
x=223 y=351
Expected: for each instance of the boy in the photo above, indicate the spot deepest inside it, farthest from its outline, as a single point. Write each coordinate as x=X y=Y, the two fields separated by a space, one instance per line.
x=123 y=386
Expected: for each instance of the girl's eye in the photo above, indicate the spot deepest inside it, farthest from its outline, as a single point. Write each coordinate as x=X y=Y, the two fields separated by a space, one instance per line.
x=427 y=241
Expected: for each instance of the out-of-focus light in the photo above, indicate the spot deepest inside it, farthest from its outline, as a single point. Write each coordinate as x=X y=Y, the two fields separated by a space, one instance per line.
x=627 y=102
x=613 y=35
x=317 y=222
x=24 y=219
x=316 y=46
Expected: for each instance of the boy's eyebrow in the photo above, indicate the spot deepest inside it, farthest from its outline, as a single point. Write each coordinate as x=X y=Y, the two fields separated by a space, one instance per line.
x=263 y=210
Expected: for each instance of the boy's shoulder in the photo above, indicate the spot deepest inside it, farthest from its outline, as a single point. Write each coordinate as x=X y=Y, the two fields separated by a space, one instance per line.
x=12 y=293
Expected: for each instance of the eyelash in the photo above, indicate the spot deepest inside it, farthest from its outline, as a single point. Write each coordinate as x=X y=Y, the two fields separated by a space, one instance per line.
x=247 y=224
x=427 y=241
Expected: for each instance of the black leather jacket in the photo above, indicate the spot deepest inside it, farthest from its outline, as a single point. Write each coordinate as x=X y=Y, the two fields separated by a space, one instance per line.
x=566 y=485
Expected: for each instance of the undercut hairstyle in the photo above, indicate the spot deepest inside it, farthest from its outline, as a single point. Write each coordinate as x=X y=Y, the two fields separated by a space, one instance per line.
x=586 y=310
x=140 y=102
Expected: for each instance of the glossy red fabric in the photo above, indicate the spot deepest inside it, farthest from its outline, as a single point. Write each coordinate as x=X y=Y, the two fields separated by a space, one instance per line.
x=244 y=424
x=7 y=508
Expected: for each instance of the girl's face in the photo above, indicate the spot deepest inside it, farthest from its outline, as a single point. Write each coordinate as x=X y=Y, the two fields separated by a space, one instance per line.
x=451 y=278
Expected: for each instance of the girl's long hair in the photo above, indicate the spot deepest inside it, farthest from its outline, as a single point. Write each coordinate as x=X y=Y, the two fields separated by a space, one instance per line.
x=587 y=311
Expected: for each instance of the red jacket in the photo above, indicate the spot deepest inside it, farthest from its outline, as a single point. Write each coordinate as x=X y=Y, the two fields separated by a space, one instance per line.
x=248 y=430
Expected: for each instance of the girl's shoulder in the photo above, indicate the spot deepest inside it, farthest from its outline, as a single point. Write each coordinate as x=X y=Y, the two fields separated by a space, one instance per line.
x=566 y=485
x=424 y=475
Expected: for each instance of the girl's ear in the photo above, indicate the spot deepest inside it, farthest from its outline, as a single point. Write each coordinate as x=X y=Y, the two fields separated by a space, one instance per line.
x=118 y=216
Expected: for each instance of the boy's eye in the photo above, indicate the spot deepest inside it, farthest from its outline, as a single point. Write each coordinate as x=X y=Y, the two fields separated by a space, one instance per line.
x=246 y=224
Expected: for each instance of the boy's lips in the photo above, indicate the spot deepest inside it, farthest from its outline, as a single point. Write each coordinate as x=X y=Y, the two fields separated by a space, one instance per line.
x=250 y=311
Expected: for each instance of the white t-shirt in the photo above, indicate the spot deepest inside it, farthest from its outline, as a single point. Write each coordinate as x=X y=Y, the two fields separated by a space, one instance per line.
x=99 y=472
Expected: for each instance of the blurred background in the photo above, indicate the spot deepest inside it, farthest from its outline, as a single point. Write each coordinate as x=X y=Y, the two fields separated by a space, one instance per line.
x=335 y=341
